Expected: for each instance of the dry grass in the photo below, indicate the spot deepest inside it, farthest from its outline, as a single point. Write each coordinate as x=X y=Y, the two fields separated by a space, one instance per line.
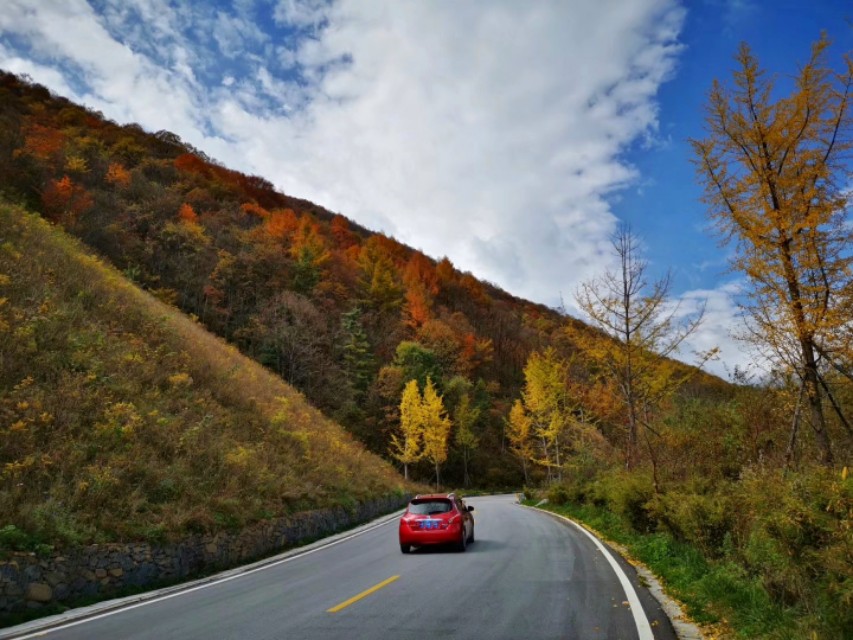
x=121 y=418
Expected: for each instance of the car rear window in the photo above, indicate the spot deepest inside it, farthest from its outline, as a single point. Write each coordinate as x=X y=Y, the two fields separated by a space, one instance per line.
x=429 y=507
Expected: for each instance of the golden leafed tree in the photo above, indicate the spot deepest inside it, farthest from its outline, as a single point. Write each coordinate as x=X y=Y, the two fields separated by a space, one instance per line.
x=547 y=402
x=519 y=432
x=776 y=175
x=640 y=330
x=435 y=428
x=408 y=446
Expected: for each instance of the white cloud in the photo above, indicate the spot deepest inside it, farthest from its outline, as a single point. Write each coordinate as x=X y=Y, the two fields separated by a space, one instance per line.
x=493 y=137
x=302 y=13
x=70 y=38
x=232 y=34
x=718 y=328
x=492 y=134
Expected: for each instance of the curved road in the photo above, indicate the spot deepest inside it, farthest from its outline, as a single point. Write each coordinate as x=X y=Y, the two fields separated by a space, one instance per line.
x=528 y=575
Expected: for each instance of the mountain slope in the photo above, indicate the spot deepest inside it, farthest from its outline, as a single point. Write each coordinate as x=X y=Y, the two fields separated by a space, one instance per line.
x=121 y=418
x=345 y=315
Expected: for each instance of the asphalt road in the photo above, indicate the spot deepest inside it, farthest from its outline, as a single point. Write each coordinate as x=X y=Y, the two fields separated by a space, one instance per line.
x=528 y=575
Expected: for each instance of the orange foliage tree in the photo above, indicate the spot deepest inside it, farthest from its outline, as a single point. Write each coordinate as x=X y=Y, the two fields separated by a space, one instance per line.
x=187 y=214
x=44 y=144
x=776 y=176
x=191 y=163
x=117 y=175
x=341 y=232
x=421 y=283
x=252 y=208
x=417 y=308
x=64 y=201
x=281 y=224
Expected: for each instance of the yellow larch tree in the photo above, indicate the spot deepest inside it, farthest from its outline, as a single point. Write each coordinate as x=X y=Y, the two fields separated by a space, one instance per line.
x=519 y=432
x=776 y=178
x=639 y=330
x=408 y=446
x=547 y=402
x=435 y=427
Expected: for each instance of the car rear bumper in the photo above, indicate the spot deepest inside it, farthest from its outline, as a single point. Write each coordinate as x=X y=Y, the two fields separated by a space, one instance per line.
x=418 y=538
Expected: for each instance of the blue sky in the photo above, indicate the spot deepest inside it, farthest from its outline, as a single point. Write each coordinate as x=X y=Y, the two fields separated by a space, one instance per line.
x=667 y=198
x=512 y=137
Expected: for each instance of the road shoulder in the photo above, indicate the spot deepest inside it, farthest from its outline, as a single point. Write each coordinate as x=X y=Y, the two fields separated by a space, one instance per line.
x=644 y=581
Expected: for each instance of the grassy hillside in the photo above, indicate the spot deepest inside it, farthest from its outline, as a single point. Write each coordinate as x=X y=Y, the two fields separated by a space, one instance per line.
x=121 y=418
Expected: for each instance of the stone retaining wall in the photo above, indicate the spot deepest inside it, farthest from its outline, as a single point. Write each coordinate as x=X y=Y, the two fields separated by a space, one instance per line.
x=28 y=581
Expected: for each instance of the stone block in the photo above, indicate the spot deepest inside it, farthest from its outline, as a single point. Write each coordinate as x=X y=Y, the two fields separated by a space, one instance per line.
x=39 y=592
x=32 y=573
x=53 y=578
x=61 y=591
x=8 y=572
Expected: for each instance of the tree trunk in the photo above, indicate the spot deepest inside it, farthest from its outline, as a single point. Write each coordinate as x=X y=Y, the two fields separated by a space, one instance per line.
x=653 y=458
x=633 y=432
x=813 y=393
x=559 y=464
x=466 y=480
x=795 y=425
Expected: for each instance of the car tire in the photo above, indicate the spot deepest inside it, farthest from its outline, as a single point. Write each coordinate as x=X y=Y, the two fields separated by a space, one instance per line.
x=405 y=548
x=471 y=537
x=463 y=543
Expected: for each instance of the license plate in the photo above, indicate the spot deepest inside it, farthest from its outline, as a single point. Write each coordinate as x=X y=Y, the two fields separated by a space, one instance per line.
x=429 y=524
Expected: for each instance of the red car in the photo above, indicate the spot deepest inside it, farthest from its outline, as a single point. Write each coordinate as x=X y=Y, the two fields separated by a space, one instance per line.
x=440 y=518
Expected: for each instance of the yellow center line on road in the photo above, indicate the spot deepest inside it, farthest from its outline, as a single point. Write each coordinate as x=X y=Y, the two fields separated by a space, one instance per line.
x=363 y=594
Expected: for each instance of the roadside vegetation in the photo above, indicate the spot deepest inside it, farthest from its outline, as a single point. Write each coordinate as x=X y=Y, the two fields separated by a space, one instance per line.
x=122 y=419
x=765 y=556
x=742 y=502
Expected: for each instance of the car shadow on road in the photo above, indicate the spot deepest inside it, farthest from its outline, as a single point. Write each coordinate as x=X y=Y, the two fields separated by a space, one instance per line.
x=480 y=546
x=485 y=546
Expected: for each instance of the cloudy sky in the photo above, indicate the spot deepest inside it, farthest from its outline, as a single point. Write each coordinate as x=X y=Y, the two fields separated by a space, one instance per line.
x=510 y=136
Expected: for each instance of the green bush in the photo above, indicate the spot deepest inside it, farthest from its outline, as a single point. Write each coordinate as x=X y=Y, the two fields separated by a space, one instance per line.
x=558 y=494
x=795 y=535
x=629 y=495
x=770 y=552
x=702 y=519
x=13 y=539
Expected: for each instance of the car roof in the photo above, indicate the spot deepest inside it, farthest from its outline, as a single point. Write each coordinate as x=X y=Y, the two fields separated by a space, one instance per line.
x=433 y=496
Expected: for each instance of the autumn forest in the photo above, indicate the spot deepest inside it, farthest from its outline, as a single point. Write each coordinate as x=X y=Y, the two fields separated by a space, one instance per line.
x=461 y=385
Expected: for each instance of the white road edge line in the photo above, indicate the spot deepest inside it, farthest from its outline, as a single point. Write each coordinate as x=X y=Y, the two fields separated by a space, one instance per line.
x=181 y=592
x=644 y=629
